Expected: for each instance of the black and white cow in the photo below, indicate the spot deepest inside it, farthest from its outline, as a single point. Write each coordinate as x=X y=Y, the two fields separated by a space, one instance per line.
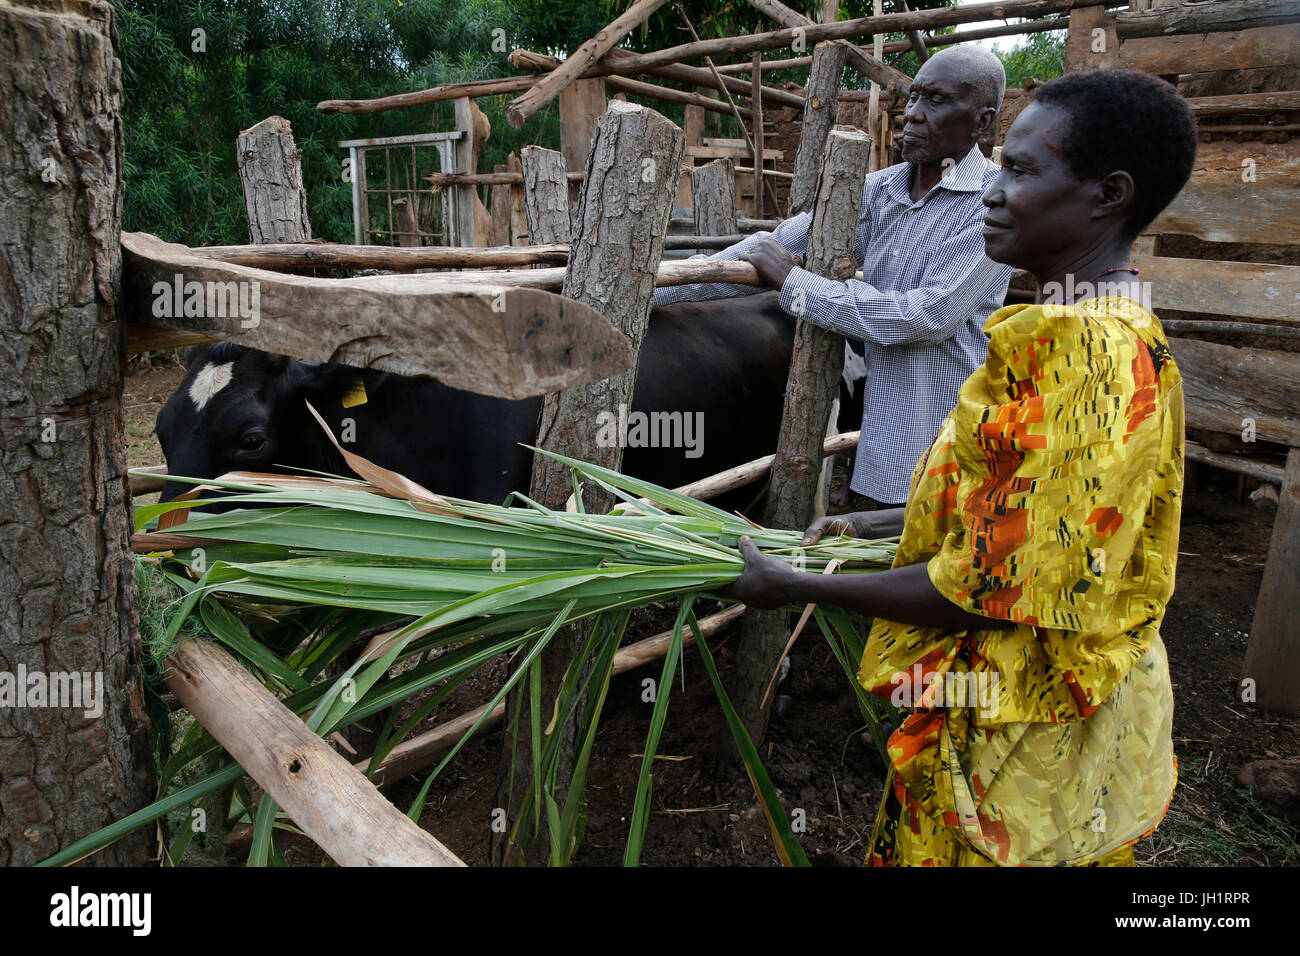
x=721 y=365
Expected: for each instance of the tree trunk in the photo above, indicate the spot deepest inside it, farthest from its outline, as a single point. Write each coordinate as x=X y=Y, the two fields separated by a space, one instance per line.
x=713 y=197
x=546 y=195
x=67 y=593
x=1273 y=655
x=820 y=107
x=810 y=391
x=626 y=202
x=270 y=168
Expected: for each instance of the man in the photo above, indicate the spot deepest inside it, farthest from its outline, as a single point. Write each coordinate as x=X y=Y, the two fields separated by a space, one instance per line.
x=927 y=286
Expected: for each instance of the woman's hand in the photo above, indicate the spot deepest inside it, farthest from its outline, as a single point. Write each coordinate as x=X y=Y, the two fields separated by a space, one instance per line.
x=765 y=583
x=856 y=525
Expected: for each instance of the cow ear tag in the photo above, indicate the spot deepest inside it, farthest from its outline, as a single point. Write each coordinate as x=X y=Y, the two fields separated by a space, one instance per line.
x=356 y=395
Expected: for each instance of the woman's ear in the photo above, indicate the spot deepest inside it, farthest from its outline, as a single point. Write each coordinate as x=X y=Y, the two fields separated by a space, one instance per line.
x=1115 y=194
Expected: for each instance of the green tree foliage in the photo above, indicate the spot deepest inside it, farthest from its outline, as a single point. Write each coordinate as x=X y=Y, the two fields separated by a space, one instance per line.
x=1040 y=55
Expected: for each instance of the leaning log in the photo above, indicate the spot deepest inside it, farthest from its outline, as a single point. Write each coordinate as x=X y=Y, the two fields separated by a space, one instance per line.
x=522 y=107
x=323 y=794
x=811 y=388
x=508 y=342
x=823 y=91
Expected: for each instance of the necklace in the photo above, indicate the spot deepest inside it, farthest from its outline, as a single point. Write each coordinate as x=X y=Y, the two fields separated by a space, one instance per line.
x=1136 y=272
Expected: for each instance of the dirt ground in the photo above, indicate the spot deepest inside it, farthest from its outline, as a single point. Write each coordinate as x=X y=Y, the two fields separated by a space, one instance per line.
x=704 y=811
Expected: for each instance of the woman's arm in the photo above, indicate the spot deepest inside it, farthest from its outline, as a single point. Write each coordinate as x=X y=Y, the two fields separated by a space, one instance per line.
x=901 y=594
x=885 y=523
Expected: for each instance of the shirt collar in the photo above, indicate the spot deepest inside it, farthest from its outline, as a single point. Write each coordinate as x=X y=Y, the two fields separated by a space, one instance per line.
x=967 y=176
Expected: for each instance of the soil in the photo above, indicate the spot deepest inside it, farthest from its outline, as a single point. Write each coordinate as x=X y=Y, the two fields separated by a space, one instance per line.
x=704 y=810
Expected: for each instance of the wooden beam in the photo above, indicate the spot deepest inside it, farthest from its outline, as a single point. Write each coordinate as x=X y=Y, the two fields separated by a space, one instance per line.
x=511 y=343
x=851 y=29
x=869 y=66
x=1240 y=390
x=294 y=256
x=756 y=82
x=1252 y=290
x=494 y=178
x=1202 y=17
x=1238 y=192
x=752 y=471
x=1260 y=48
x=550 y=86
x=1273 y=654
x=323 y=794
x=436 y=94
x=915 y=39
x=1234 y=103
x=653 y=91
x=463 y=198
x=1239 y=464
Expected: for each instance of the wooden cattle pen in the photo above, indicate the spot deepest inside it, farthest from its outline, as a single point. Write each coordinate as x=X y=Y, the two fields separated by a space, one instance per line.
x=1222 y=262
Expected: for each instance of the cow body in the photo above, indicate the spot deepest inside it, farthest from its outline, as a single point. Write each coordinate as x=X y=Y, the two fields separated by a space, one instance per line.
x=723 y=364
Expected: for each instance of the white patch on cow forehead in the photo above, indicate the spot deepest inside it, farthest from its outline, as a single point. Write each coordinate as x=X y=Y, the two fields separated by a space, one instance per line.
x=210 y=380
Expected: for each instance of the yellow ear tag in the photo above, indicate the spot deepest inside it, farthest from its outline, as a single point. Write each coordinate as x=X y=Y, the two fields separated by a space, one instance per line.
x=356 y=395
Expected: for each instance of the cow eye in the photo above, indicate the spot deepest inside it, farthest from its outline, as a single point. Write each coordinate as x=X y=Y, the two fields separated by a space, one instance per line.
x=253 y=442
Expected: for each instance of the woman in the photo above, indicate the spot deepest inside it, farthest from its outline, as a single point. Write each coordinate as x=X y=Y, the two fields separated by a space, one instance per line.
x=1021 y=619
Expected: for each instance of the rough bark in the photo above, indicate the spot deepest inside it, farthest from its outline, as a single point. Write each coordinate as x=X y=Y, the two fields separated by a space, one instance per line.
x=820 y=105
x=623 y=213
x=270 y=168
x=713 y=197
x=1273 y=655
x=811 y=388
x=546 y=195
x=67 y=595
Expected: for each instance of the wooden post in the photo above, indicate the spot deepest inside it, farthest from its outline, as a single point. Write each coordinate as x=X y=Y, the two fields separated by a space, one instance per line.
x=408 y=232
x=270 y=168
x=500 y=209
x=713 y=197
x=518 y=218
x=811 y=390
x=1273 y=654
x=466 y=232
x=623 y=213
x=328 y=798
x=822 y=100
x=546 y=195
x=67 y=592
x=758 y=136
x=582 y=104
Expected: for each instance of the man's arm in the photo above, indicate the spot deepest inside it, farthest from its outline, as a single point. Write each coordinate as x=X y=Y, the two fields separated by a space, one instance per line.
x=792 y=234
x=958 y=280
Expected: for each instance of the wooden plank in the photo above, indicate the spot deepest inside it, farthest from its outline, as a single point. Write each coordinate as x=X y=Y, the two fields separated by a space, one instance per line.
x=328 y=798
x=732 y=152
x=582 y=104
x=1252 y=290
x=1263 y=47
x=494 y=340
x=1231 y=390
x=1202 y=17
x=1239 y=192
x=463 y=197
x=1273 y=654
x=555 y=82
x=1233 y=103
x=1091 y=43
x=305 y=256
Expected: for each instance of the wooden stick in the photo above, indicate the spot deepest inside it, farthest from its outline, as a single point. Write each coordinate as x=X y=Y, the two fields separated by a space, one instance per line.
x=638 y=88
x=325 y=795
x=869 y=66
x=550 y=86
x=793 y=63
x=913 y=37
x=757 y=80
x=487 y=179
x=421 y=751
x=752 y=471
x=848 y=29
x=1239 y=464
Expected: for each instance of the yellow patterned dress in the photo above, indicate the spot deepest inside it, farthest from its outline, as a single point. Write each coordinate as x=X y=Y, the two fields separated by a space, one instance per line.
x=1050 y=499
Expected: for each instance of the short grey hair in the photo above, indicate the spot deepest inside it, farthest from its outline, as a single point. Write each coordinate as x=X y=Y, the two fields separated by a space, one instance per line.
x=979 y=67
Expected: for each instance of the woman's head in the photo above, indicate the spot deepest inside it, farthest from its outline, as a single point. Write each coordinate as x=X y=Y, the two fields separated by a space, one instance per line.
x=1091 y=162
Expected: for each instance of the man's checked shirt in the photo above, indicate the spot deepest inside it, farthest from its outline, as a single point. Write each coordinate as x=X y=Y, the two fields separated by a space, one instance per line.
x=920 y=308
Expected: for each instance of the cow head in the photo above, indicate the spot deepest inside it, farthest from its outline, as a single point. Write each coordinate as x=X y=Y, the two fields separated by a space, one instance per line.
x=237 y=409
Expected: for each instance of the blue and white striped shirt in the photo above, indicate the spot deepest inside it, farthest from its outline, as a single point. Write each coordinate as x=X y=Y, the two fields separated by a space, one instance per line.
x=927 y=289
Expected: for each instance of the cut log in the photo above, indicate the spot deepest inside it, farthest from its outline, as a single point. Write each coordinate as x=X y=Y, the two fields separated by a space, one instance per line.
x=823 y=90
x=713 y=198
x=873 y=68
x=546 y=195
x=1273 y=654
x=1202 y=17
x=499 y=341
x=550 y=86
x=811 y=389
x=270 y=168
x=1261 y=48
x=323 y=794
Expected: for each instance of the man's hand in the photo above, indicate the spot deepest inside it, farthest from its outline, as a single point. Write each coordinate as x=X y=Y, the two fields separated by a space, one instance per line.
x=766 y=582
x=772 y=262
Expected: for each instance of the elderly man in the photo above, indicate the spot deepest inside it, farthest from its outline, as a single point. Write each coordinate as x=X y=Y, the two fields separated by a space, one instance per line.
x=927 y=286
